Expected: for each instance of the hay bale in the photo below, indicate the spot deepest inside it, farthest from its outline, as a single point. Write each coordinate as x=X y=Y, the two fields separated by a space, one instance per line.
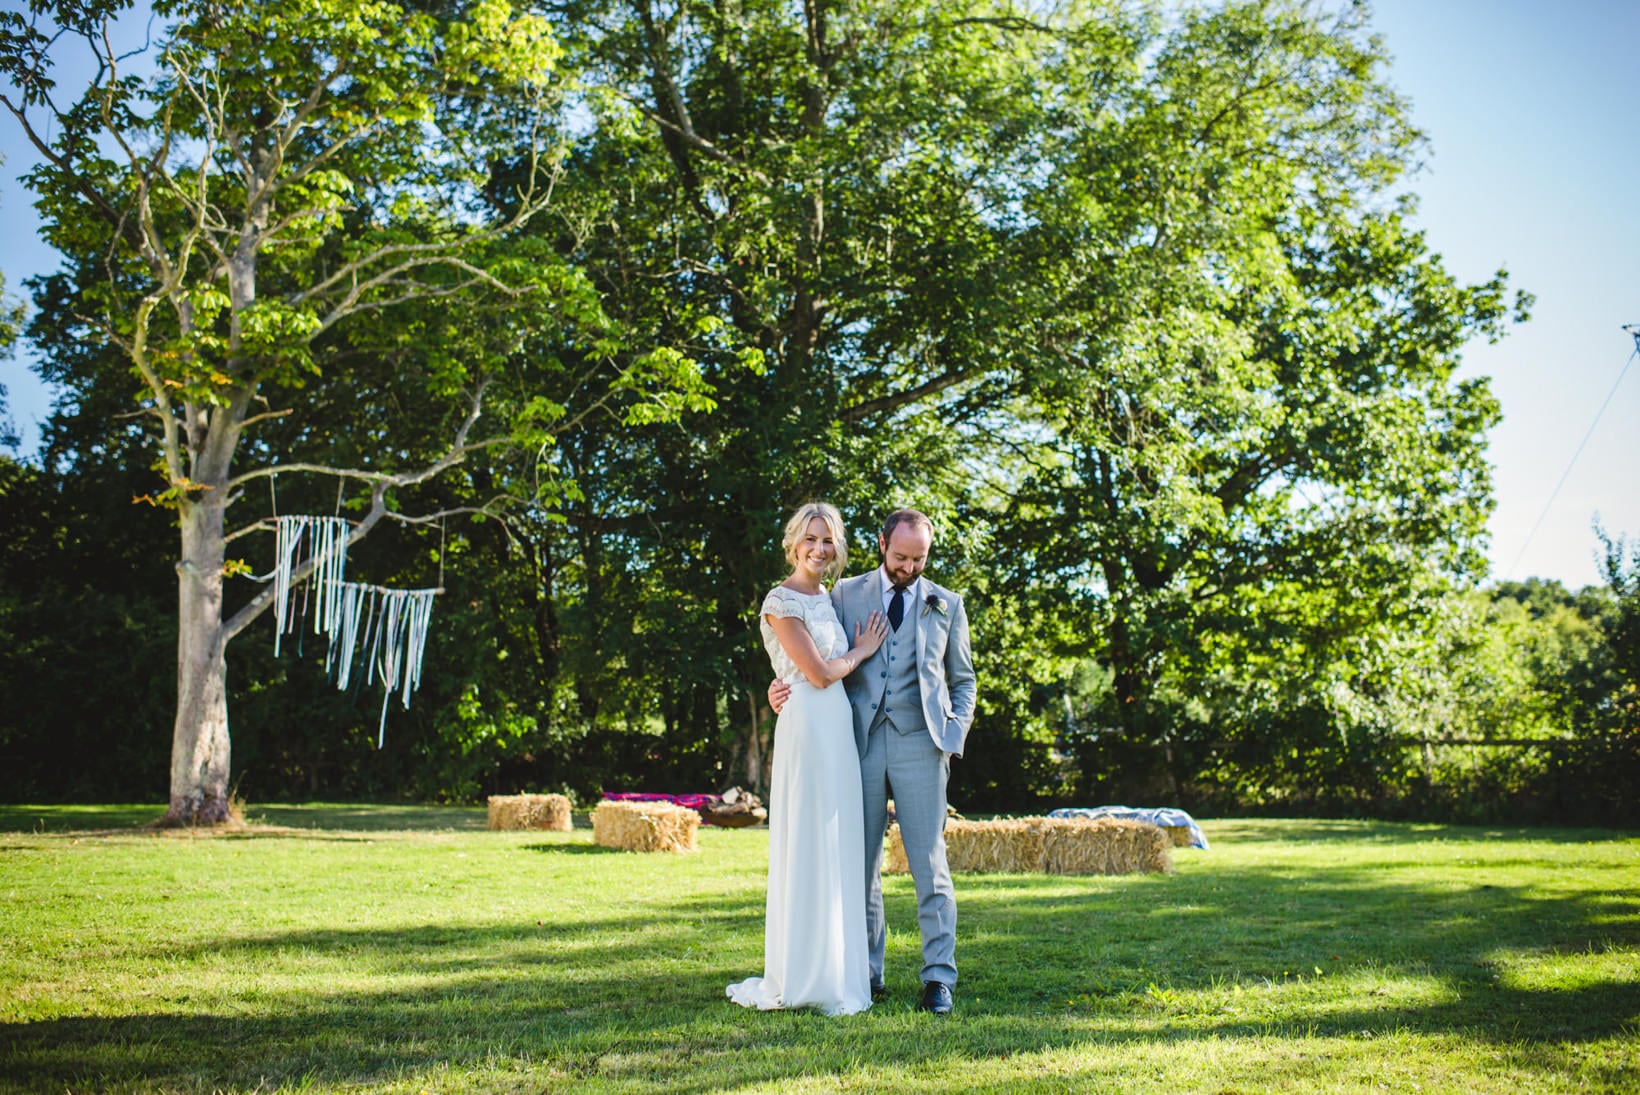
x=529 y=812
x=1179 y=834
x=1105 y=846
x=974 y=847
x=894 y=862
x=984 y=847
x=1039 y=845
x=645 y=826
x=505 y=812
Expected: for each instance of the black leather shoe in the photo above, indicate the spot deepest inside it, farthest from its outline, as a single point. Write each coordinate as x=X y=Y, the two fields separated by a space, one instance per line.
x=936 y=998
x=879 y=992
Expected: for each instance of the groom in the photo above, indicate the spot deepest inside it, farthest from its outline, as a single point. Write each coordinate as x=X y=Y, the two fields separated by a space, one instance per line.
x=913 y=703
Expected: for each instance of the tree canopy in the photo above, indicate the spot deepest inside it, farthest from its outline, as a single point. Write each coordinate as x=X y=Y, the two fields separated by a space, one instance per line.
x=1130 y=298
x=298 y=191
x=1126 y=301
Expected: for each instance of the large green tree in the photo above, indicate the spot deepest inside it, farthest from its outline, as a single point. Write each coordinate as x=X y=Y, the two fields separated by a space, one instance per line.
x=11 y=322
x=295 y=194
x=1255 y=440
x=831 y=190
x=1122 y=295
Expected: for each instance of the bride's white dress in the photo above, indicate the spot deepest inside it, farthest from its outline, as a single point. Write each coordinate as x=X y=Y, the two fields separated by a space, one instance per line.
x=814 y=942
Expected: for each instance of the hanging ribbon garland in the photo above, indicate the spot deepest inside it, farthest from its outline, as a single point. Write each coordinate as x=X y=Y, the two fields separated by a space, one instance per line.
x=395 y=621
x=326 y=541
x=393 y=640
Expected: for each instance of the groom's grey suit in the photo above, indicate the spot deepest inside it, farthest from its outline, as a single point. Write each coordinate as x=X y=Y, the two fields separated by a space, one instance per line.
x=913 y=703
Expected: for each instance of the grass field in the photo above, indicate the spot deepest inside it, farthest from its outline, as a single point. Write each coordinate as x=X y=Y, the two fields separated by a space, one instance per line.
x=405 y=949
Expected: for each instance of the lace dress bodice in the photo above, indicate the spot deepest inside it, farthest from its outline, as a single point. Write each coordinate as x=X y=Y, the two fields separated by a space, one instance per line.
x=817 y=615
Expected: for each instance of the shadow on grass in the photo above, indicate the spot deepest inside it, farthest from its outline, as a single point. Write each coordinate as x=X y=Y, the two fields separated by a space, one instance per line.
x=1163 y=946
x=635 y=998
x=61 y=818
x=369 y=818
x=75 y=818
x=568 y=848
x=1324 y=831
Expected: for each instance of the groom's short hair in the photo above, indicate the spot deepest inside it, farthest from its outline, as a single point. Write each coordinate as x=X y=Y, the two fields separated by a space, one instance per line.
x=906 y=517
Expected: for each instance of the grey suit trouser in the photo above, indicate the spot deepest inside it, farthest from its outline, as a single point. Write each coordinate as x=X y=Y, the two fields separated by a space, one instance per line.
x=912 y=770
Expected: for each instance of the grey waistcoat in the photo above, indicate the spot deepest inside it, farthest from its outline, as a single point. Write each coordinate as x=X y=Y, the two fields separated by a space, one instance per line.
x=899 y=703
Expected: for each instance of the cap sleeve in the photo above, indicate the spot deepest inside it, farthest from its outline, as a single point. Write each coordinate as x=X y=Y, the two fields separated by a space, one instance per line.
x=782 y=602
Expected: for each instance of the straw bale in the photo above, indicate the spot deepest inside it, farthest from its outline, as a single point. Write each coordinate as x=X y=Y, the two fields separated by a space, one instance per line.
x=1046 y=846
x=529 y=812
x=983 y=847
x=1178 y=834
x=894 y=861
x=645 y=826
x=1004 y=845
x=1104 y=846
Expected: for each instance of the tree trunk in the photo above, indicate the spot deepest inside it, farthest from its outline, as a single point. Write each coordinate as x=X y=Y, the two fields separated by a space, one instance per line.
x=199 y=740
x=759 y=758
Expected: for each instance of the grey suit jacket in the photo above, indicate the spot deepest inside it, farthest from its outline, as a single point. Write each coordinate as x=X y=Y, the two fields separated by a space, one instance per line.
x=945 y=662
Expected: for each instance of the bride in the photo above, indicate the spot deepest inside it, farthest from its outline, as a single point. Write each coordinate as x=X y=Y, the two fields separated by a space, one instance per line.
x=814 y=942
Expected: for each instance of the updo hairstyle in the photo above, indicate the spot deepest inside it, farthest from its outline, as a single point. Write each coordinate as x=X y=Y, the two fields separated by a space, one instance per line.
x=799 y=525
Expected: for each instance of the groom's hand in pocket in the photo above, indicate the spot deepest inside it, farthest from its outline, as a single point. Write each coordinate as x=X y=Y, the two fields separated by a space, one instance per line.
x=778 y=692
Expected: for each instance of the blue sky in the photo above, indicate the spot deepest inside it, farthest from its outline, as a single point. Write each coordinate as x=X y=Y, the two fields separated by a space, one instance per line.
x=1530 y=109
x=1534 y=165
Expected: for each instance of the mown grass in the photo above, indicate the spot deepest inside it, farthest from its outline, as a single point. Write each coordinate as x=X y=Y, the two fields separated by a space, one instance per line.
x=404 y=949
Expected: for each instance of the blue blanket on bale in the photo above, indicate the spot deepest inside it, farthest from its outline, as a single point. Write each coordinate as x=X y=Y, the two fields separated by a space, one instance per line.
x=1163 y=815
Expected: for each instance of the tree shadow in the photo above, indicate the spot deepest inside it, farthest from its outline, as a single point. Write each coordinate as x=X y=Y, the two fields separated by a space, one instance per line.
x=1358 y=832
x=366 y=817
x=70 y=817
x=304 y=818
x=637 y=999
x=568 y=848
x=1263 y=927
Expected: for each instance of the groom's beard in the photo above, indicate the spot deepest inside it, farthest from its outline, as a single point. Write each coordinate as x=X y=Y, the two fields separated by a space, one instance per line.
x=903 y=578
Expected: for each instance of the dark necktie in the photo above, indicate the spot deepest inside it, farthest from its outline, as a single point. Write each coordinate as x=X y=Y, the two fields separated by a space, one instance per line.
x=896 y=608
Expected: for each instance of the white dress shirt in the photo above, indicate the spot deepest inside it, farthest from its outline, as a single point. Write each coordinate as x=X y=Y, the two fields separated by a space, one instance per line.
x=888 y=590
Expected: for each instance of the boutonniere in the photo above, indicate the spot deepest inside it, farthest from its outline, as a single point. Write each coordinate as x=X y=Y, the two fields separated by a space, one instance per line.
x=933 y=602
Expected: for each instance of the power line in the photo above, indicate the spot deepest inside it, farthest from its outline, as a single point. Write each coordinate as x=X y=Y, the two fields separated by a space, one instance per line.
x=1634 y=331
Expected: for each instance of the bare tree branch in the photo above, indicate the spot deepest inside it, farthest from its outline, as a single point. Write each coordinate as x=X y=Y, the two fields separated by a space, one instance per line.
x=895 y=400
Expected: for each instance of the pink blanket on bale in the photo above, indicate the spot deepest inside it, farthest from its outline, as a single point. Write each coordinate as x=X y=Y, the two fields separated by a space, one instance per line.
x=694 y=802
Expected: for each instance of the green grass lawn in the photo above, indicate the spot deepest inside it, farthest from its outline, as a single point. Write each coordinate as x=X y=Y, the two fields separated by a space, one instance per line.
x=406 y=949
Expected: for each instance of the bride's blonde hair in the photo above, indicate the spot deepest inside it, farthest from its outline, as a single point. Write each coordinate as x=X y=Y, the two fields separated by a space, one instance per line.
x=799 y=525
